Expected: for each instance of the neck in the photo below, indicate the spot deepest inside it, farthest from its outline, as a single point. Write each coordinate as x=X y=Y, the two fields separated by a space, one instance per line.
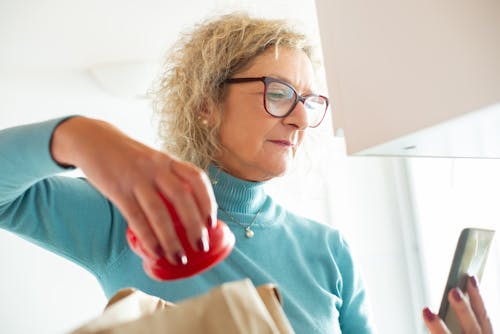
x=234 y=194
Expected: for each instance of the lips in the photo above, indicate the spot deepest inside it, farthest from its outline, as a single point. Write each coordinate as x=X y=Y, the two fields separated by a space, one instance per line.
x=285 y=143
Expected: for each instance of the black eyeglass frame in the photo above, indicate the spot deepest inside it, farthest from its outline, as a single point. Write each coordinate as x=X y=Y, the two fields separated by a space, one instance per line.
x=298 y=97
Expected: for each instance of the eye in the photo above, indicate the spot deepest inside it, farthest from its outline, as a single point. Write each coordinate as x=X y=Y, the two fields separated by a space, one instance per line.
x=278 y=95
x=315 y=103
x=277 y=92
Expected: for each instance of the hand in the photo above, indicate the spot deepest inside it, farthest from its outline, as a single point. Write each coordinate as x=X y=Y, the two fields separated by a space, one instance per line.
x=131 y=174
x=472 y=315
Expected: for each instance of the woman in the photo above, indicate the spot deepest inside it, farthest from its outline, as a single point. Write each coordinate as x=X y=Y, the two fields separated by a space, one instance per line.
x=235 y=102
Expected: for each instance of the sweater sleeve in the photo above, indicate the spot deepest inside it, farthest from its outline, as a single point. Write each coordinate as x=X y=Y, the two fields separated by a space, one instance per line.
x=355 y=315
x=64 y=215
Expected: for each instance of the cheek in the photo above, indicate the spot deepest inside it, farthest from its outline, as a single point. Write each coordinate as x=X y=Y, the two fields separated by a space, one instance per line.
x=239 y=113
x=240 y=136
x=245 y=125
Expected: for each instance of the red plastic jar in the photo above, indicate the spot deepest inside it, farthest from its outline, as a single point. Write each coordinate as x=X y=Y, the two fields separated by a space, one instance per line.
x=221 y=241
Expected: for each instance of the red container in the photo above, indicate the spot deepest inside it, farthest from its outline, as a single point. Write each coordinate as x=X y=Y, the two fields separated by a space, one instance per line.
x=221 y=241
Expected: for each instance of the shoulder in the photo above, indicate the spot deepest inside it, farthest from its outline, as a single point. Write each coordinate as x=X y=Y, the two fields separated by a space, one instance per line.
x=308 y=225
x=314 y=231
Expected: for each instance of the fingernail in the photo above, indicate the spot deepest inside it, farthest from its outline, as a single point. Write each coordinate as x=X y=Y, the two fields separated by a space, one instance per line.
x=181 y=258
x=210 y=222
x=203 y=244
x=159 y=251
x=456 y=294
x=473 y=281
x=428 y=315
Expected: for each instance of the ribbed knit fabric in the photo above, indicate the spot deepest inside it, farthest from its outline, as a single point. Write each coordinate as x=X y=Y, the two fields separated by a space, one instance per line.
x=310 y=262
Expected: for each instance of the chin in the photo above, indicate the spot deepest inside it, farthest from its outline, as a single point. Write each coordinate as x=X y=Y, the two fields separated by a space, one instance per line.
x=279 y=169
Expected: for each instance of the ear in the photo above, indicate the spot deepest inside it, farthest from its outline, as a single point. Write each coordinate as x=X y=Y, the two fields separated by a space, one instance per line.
x=210 y=114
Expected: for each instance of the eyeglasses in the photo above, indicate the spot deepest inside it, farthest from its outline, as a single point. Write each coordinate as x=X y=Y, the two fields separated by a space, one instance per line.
x=280 y=98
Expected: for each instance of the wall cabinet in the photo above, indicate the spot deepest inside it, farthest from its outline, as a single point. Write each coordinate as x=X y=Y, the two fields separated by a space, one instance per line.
x=413 y=77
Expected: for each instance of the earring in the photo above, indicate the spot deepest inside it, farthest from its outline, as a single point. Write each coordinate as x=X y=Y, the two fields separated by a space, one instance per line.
x=203 y=119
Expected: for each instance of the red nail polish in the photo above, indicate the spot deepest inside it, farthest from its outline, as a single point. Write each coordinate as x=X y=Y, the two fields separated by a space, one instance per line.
x=428 y=315
x=180 y=258
x=202 y=244
x=210 y=222
x=159 y=251
x=456 y=294
x=473 y=281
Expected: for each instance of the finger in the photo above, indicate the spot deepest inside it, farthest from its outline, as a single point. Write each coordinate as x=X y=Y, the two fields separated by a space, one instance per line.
x=182 y=202
x=464 y=312
x=160 y=222
x=201 y=188
x=477 y=305
x=138 y=223
x=434 y=323
x=180 y=197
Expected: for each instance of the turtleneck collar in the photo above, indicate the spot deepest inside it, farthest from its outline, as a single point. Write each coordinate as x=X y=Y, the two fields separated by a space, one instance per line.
x=236 y=195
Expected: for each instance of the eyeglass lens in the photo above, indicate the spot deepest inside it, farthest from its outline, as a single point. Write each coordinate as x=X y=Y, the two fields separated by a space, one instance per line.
x=280 y=99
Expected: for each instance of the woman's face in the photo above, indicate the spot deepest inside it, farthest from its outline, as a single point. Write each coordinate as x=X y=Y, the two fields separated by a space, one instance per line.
x=256 y=145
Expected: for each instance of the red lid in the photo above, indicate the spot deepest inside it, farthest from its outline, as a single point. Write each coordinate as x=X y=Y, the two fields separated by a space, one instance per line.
x=221 y=241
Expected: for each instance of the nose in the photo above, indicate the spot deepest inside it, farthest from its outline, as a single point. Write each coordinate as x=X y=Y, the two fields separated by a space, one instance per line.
x=298 y=117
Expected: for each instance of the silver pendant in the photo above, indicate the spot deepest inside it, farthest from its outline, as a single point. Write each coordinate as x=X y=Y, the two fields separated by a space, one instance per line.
x=248 y=232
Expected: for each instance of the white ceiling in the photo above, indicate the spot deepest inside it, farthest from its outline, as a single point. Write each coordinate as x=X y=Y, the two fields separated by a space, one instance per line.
x=70 y=34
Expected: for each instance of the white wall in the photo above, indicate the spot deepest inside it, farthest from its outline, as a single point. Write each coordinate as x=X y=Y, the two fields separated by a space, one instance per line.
x=41 y=292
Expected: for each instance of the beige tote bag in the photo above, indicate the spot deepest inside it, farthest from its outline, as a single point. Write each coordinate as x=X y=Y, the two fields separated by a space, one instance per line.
x=235 y=307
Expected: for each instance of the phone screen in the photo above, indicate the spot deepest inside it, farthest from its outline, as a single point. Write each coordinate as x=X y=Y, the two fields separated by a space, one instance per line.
x=469 y=260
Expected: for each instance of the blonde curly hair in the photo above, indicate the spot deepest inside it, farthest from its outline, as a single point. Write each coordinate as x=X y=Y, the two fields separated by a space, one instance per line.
x=193 y=74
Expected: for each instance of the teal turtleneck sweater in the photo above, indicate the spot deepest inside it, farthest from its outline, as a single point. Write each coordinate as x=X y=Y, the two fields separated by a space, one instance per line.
x=309 y=262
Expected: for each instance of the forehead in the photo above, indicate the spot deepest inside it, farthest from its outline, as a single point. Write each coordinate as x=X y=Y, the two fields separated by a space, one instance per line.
x=290 y=65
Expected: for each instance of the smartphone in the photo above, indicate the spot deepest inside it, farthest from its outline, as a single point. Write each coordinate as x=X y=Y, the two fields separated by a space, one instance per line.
x=469 y=260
